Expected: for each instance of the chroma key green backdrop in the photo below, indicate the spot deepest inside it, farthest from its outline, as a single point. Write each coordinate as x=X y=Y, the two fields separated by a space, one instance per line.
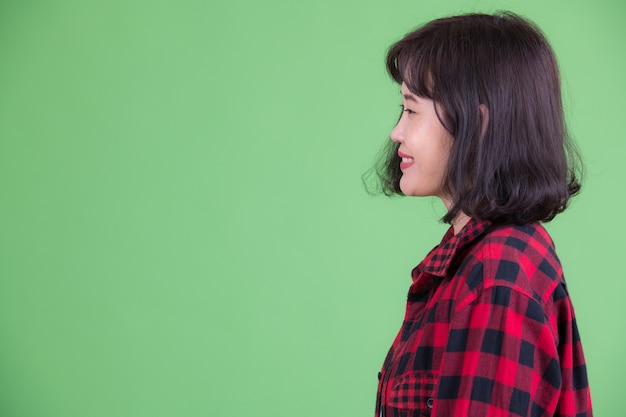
x=183 y=229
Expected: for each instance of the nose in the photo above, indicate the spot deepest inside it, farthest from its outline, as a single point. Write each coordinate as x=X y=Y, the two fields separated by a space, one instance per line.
x=397 y=134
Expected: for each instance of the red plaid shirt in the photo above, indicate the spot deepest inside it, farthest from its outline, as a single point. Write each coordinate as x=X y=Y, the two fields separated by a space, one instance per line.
x=489 y=331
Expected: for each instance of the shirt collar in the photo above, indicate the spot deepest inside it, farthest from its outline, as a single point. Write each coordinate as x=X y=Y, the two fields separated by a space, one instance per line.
x=439 y=260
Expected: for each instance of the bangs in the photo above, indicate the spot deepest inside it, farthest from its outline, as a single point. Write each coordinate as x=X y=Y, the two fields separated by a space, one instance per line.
x=411 y=62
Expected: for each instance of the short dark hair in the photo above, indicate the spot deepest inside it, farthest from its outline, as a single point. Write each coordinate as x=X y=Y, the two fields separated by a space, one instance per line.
x=524 y=168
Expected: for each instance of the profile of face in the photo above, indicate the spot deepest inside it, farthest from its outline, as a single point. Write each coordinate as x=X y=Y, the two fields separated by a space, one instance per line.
x=424 y=146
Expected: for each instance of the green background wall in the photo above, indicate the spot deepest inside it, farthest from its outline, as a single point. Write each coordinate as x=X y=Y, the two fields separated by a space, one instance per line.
x=183 y=229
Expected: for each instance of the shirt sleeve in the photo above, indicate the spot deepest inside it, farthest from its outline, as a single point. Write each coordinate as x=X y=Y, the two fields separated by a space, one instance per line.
x=508 y=354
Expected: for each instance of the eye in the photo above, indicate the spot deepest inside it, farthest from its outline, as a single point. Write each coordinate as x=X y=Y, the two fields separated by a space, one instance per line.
x=407 y=111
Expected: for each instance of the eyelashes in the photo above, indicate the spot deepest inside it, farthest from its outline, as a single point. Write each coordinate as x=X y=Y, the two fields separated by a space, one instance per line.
x=407 y=111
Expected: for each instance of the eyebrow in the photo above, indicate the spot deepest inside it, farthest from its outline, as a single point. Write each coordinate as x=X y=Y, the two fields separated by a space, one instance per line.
x=409 y=97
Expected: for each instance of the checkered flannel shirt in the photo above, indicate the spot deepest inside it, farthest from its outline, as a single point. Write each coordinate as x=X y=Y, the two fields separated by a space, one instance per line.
x=489 y=331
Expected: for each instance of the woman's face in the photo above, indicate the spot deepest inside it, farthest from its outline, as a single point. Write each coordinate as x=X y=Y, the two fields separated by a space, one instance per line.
x=424 y=147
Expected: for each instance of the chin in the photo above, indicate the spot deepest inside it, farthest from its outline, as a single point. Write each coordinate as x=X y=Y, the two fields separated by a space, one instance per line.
x=408 y=190
x=412 y=192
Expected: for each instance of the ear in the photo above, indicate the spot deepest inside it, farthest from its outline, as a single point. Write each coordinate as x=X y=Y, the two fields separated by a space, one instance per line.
x=484 y=118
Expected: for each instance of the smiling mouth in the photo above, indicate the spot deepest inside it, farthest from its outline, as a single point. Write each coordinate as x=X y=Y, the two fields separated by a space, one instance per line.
x=405 y=160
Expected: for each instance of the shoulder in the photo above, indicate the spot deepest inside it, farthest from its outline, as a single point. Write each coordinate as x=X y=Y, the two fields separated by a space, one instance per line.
x=521 y=257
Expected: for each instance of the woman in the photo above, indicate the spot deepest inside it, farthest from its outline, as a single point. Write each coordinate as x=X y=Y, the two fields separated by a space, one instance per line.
x=489 y=327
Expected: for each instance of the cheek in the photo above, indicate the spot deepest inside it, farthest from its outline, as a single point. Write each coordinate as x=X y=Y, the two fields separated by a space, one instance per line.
x=445 y=150
x=436 y=160
x=443 y=160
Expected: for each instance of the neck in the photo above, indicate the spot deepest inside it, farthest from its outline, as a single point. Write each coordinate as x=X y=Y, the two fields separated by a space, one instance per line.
x=459 y=222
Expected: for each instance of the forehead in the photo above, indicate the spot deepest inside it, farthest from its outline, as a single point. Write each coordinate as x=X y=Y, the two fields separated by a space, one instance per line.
x=406 y=93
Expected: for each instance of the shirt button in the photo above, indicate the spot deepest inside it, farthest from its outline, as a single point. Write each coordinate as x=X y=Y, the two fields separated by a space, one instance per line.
x=429 y=402
x=380 y=375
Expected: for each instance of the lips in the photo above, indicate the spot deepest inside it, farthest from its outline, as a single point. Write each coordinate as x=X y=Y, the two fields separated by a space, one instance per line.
x=407 y=160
